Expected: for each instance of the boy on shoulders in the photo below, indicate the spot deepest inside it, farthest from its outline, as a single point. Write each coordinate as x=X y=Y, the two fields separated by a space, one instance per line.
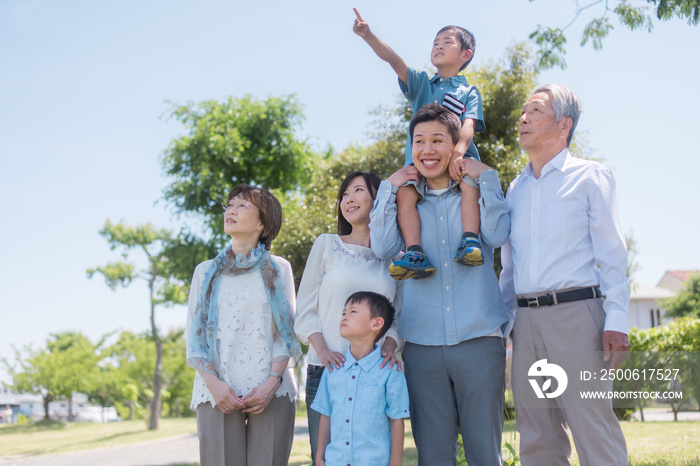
x=453 y=49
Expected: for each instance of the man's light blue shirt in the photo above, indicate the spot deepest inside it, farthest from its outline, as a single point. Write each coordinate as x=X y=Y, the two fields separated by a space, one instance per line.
x=360 y=398
x=458 y=302
x=422 y=90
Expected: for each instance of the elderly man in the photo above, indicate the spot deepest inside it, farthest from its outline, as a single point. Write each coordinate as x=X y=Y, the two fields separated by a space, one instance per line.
x=565 y=253
x=453 y=321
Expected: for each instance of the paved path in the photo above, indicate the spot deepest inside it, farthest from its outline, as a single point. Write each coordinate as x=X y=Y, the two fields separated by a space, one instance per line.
x=662 y=415
x=177 y=450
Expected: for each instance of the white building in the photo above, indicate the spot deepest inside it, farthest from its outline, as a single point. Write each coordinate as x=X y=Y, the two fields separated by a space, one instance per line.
x=32 y=406
x=646 y=310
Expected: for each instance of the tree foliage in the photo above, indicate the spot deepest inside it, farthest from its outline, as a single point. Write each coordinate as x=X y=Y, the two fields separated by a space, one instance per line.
x=163 y=288
x=128 y=373
x=687 y=302
x=673 y=346
x=239 y=140
x=551 y=41
x=67 y=365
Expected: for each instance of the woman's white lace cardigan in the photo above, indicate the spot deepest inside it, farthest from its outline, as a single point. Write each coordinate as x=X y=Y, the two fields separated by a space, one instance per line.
x=245 y=341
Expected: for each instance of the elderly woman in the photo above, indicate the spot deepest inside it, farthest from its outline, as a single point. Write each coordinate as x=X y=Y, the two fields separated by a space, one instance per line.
x=240 y=338
x=338 y=266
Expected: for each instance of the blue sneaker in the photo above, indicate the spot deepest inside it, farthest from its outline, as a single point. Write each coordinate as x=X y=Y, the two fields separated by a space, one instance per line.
x=469 y=252
x=413 y=264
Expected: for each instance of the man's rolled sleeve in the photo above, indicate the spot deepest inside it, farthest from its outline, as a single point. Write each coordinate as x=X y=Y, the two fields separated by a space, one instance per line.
x=609 y=250
x=507 y=284
x=495 y=219
x=385 y=239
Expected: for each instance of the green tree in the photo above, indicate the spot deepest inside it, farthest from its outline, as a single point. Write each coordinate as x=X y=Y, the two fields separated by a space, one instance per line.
x=67 y=365
x=631 y=14
x=240 y=140
x=163 y=289
x=687 y=302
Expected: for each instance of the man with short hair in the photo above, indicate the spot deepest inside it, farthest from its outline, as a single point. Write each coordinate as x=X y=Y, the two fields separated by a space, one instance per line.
x=566 y=252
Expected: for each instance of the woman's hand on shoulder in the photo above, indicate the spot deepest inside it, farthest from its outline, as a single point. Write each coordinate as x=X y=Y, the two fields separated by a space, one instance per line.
x=331 y=359
x=402 y=175
x=225 y=398
x=389 y=354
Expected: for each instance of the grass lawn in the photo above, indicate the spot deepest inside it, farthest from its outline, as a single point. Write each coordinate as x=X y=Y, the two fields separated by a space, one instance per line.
x=57 y=437
x=649 y=443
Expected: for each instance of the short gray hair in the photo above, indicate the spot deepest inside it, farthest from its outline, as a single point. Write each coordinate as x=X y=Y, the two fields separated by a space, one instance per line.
x=565 y=103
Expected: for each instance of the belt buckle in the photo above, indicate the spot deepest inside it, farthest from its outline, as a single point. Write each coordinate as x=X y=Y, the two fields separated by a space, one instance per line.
x=533 y=302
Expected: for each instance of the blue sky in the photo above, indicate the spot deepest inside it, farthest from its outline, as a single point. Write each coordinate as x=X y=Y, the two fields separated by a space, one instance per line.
x=84 y=86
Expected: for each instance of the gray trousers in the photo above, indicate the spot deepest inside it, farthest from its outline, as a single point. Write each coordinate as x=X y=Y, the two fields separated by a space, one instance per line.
x=457 y=387
x=574 y=328
x=238 y=439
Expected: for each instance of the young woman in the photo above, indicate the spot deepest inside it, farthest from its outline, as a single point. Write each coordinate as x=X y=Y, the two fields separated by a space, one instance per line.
x=338 y=266
x=240 y=339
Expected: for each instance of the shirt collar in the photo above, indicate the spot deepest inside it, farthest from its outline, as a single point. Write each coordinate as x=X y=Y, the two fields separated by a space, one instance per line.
x=366 y=363
x=557 y=163
x=455 y=80
x=423 y=186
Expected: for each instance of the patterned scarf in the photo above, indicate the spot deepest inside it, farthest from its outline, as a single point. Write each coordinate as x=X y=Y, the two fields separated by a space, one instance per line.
x=202 y=352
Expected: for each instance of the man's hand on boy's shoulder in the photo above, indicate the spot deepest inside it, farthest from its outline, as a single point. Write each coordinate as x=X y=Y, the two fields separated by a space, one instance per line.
x=361 y=28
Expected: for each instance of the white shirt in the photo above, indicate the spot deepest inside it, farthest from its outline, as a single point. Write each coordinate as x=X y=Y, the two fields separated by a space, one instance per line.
x=335 y=270
x=566 y=232
x=245 y=339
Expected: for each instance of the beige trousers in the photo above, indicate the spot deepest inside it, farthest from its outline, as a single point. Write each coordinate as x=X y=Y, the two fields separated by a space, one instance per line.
x=238 y=439
x=574 y=328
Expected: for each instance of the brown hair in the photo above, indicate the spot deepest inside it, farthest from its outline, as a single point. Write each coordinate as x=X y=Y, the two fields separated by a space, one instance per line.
x=268 y=206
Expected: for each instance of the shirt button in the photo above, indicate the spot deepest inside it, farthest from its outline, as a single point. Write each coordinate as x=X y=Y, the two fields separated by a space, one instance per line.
x=441 y=219
x=350 y=399
x=445 y=264
x=353 y=376
x=448 y=309
x=347 y=420
x=356 y=363
x=434 y=101
x=447 y=287
x=443 y=241
x=347 y=443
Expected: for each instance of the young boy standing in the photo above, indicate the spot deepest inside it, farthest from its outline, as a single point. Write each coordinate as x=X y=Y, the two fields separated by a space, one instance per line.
x=453 y=49
x=362 y=406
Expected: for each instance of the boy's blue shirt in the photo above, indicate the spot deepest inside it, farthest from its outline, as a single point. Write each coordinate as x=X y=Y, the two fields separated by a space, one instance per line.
x=360 y=398
x=420 y=89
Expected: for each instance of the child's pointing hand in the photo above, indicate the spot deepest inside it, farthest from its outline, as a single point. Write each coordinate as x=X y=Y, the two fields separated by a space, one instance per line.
x=361 y=28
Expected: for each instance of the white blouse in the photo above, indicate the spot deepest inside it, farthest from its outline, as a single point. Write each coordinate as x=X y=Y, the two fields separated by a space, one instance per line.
x=335 y=270
x=245 y=342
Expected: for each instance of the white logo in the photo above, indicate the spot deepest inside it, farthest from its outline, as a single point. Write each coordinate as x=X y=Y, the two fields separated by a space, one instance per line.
x=543 y=369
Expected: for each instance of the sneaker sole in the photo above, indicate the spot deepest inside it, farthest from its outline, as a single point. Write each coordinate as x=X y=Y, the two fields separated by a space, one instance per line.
x=401 y=273
x=475 y=258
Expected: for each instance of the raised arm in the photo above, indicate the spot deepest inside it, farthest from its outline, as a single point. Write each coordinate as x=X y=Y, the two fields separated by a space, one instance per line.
x=383 y=51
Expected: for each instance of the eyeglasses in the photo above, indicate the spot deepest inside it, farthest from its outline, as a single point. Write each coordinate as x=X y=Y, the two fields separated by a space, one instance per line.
x=238 y=206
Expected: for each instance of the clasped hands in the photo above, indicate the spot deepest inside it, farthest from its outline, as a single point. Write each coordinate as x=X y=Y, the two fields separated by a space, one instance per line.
x=254 y=402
